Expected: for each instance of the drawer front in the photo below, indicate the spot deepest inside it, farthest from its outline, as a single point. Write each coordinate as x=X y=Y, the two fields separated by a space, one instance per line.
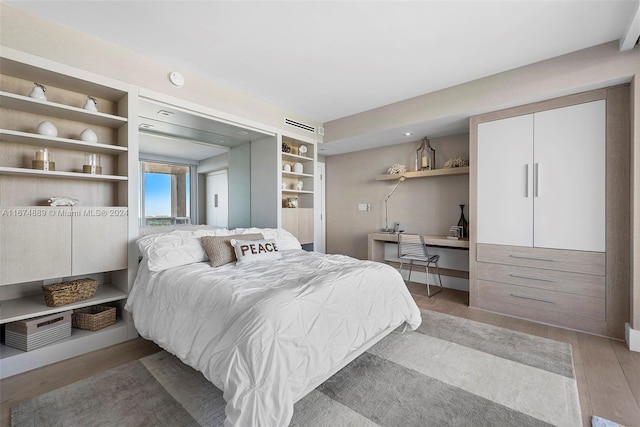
x=593 y=326
x=545 y=300
x=560 y=281
x=548 y=259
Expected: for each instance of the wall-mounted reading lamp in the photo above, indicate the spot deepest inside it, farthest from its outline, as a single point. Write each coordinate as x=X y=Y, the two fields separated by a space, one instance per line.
x=386 y=206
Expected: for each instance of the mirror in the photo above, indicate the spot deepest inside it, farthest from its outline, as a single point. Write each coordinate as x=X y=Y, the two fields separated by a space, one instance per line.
x=178 y=136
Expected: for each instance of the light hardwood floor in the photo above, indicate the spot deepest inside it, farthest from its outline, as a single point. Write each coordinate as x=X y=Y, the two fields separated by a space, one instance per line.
x=608 y=374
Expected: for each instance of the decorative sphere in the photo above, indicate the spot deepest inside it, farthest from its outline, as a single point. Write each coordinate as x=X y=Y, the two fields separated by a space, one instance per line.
x=88 y=135
x=47 y=129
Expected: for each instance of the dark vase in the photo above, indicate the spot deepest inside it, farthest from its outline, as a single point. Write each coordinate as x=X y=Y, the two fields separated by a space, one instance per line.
x=462 y=222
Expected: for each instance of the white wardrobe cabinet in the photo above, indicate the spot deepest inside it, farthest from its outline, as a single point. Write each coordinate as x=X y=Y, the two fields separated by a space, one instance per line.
x=549 y=211
x=541 y=179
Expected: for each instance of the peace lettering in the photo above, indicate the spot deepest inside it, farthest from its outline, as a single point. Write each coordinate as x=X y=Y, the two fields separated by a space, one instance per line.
x=258 y=248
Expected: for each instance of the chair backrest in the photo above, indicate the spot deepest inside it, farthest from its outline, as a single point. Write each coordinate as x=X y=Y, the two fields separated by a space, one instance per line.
x=412 y=245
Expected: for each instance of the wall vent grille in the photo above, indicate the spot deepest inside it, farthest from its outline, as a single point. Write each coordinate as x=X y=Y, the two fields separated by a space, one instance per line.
x=300 y=125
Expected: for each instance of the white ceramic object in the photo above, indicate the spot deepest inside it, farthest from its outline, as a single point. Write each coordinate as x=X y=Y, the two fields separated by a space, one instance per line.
x=286 y=167
x=38 y=92
x=88 y=135
x=300 y=185
x=302 y=150
x=47 y=129
x=91 y=104
x=297 y=167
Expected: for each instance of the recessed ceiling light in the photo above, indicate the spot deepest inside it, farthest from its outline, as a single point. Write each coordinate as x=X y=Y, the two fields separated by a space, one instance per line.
x=407 y=134
x=165 y=113
x=145 y=126
x=243 y=132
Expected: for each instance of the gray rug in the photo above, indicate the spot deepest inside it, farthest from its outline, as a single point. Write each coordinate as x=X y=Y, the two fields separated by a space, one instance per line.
x=451 y=372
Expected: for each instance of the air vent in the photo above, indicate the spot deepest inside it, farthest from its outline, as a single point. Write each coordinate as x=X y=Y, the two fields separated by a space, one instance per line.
x=299 y=125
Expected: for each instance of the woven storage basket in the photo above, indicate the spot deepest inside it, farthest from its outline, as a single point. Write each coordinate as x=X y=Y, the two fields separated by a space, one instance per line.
x=94 y=317
x=67 y=292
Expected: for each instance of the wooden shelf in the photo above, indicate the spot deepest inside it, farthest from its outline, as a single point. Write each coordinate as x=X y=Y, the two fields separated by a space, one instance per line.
x=34 y=306
x=296 y=157
x=37 y=173
x=63 y=143
x=297 y=191
x=60 y=111
x=297 y=175
x=426 y=174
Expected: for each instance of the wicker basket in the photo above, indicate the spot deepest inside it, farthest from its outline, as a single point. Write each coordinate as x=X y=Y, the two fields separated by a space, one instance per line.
x=67 y=292
x=94 y=317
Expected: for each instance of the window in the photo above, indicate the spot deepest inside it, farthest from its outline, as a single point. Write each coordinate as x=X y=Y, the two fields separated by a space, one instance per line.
x=165 y=193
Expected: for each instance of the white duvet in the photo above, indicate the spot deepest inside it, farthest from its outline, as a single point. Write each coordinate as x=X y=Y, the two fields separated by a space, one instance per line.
x=264 y=332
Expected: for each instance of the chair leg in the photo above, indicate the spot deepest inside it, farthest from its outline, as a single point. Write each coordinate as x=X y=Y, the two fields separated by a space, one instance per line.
x=410 y=270
x=429 y=294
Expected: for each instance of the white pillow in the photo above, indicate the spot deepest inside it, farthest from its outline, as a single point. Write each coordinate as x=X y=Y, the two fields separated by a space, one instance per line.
x=146 y=230
x=283 y=238
x=176 y=248
x=248 y=251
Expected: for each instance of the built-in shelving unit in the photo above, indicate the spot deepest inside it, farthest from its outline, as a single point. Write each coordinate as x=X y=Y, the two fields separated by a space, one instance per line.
x=59 y=174
x=298 y=220
x=63 y=143
x=69 y=242
x=33 y=305
x=426 y=174
x=60 y=111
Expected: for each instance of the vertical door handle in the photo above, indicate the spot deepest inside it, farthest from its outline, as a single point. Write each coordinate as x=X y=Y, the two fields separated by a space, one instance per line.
x=526 y=180
x=215 y=200
x=535 y=180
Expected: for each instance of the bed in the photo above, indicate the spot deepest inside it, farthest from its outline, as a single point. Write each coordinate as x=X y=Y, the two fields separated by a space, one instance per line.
x=267 y=332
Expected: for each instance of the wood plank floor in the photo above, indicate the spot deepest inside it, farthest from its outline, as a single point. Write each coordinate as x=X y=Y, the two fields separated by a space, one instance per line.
x=608 y=374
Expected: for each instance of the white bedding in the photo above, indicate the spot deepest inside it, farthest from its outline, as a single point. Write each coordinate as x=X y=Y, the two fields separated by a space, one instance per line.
x=264 y=332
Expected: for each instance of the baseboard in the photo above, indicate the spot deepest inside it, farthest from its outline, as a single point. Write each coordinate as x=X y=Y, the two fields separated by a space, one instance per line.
x=632 y=337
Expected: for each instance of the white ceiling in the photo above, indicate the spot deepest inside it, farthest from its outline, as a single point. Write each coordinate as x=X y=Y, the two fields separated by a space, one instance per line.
x=331 y=59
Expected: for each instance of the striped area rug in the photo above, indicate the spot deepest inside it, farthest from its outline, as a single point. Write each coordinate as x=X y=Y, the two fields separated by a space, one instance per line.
x=450 y=372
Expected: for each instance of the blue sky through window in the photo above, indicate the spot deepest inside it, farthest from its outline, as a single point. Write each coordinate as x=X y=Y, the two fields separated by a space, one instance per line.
x=157 y=194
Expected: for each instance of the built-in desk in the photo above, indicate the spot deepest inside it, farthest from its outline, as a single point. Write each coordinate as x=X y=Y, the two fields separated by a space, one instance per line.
x=376 y=252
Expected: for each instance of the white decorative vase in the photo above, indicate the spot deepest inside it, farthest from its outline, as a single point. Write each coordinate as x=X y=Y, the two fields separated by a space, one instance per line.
x=297 y=167
x=38 y=92
x=91 y=104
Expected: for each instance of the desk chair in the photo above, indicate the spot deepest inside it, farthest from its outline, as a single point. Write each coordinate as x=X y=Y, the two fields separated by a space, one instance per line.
x=411 y=247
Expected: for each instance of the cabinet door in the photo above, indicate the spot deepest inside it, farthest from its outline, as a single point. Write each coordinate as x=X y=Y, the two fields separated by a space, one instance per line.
x=569 y=179
x=505 y=199
x=290 y=220
x=99 y=240
x=305 y=225
x=35 y=243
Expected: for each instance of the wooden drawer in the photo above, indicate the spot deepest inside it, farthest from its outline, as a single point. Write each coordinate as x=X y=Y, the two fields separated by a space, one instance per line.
x=543 y=300
x=593 y=326
x=548 y=259
x=560 y=281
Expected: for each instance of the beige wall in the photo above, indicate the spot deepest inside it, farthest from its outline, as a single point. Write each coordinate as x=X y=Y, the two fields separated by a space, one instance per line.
x=31 y=34
x=429 y=205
